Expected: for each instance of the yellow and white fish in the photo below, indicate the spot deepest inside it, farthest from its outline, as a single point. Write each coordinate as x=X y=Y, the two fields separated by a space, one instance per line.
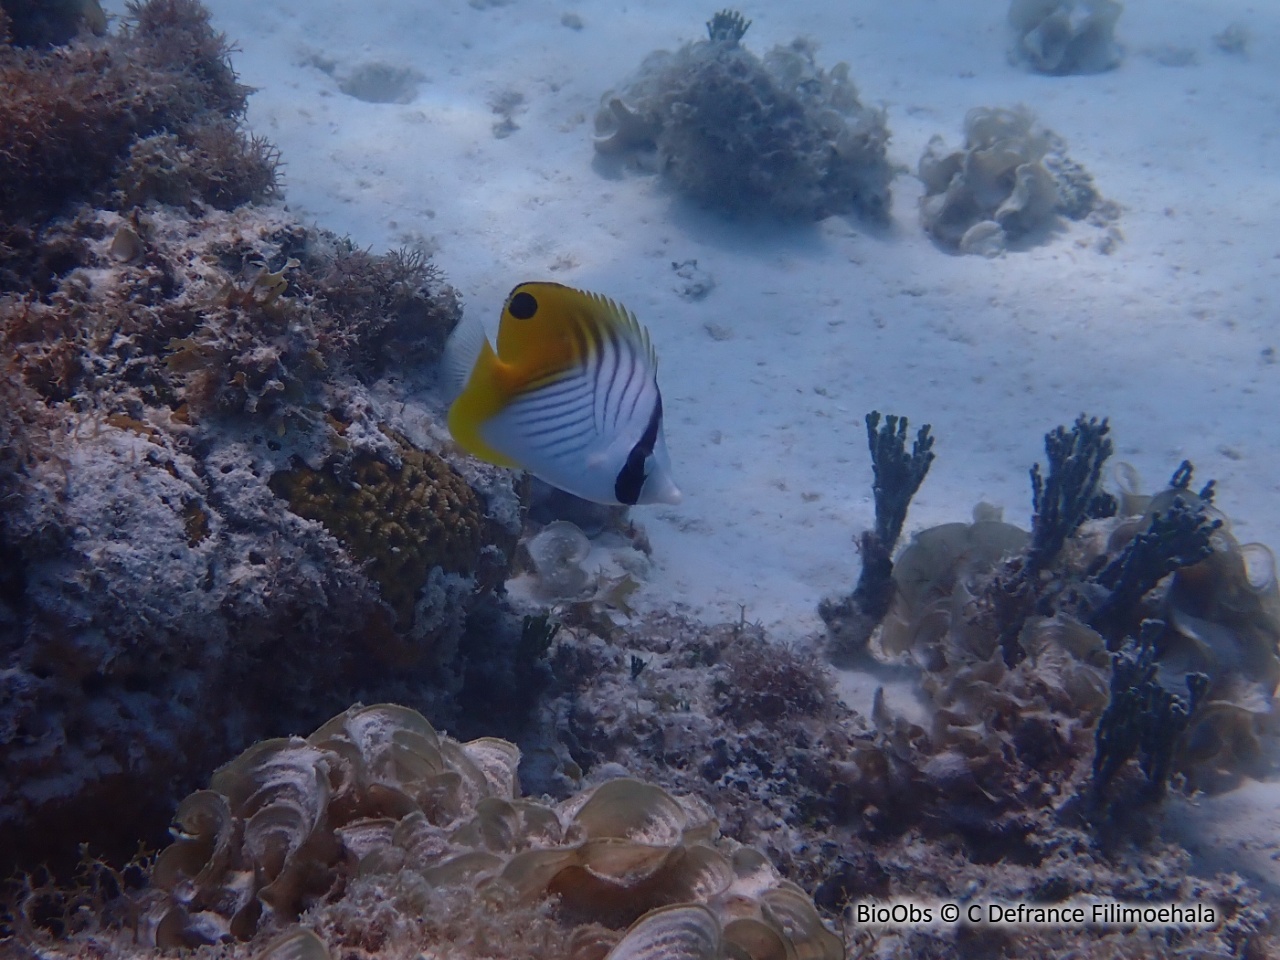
x=571 y=395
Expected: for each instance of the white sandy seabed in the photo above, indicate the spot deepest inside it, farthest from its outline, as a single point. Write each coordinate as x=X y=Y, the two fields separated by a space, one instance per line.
x=1172 y=335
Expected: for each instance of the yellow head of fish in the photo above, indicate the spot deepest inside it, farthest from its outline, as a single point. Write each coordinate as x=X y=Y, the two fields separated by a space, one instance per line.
x=571 y=395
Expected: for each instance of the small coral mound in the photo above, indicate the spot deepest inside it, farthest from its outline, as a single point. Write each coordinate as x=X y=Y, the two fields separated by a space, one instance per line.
x=377 y=799
x=1065 y=36
x=742 y=133
x=1010 y=181
x=404 y=521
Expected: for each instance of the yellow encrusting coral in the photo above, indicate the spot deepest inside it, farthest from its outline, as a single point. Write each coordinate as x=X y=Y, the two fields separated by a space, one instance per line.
x=401 y=520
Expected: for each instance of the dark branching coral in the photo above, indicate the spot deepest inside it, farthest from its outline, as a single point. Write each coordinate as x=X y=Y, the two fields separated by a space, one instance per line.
x=1065 y=36
x=1180 y=536
x=727 y=26
x=1142 y=717
x=777 y=134
x=898 y=476
x=1009 y=182
x=1061 y=503
x=1072 y=492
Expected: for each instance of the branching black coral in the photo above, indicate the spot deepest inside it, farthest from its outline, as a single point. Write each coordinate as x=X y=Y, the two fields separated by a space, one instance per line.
x=1142 y=717
x=898 y=476
x=1181 y=480
x=1070 y=494
x=727 y=26
x=1177 y=537
x=1061 y=502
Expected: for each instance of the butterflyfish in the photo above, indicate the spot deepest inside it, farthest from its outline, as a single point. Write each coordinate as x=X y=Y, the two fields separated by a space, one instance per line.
x=570 y=395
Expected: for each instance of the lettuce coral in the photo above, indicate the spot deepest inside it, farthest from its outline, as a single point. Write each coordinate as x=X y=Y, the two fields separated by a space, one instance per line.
x=1065 y=36
x=376 y=798
x=1010 y=182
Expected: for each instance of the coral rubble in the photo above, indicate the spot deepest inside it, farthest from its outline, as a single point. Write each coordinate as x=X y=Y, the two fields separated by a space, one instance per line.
x=750 y=134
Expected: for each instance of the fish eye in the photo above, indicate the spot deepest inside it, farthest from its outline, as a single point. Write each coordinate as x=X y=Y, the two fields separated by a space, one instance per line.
x=523 y=305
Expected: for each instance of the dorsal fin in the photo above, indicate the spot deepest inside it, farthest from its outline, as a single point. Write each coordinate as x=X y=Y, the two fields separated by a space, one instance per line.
x=461 y=351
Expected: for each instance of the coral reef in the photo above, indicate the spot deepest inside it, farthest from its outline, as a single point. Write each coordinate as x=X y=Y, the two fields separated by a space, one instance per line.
x=1010 y=182
x=165 y=368
x=119 y=122
x=150 y=567
x=1016 y=784
x=1065 y=36
x=747 y=134
x=851 y=620
x=979 y=801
